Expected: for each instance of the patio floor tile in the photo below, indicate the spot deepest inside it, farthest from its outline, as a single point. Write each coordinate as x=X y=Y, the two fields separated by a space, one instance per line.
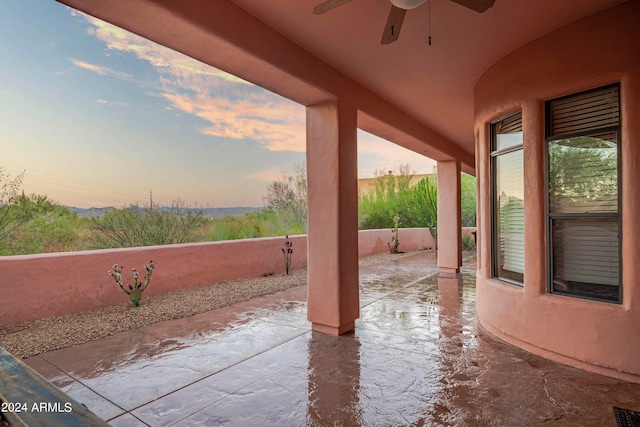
x=417 y=357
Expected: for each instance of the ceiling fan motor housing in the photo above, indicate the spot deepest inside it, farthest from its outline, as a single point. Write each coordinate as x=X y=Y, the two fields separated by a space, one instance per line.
x=407 y=4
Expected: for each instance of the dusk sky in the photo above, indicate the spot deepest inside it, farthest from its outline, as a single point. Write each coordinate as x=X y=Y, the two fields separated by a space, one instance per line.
x=97 y=116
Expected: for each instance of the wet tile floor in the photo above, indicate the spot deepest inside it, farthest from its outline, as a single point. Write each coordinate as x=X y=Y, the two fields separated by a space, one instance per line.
x=417 y=358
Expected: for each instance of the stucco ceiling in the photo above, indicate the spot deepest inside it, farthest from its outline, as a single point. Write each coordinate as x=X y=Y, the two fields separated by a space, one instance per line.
x=432 y=83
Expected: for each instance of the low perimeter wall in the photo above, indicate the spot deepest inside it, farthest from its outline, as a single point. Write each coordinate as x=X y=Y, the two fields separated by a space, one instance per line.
x=37 y=286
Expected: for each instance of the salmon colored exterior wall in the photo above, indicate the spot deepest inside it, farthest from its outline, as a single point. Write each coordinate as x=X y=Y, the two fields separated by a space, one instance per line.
x=333 y=302
x=596 y=51
x=449 y=217
x=38 y=286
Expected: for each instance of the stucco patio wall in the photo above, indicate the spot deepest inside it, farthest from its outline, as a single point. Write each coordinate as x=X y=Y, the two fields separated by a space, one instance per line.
x=38 y=286
x=596 y=51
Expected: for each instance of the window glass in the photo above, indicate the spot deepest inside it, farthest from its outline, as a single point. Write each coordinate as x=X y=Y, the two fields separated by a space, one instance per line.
x=583 y=174
x=585 y=257
x=510 y=215
x=508 y=199
x=506 y=140
x=584 y=195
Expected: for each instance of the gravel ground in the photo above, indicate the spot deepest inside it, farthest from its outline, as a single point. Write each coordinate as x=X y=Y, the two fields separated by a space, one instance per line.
x=32 y=338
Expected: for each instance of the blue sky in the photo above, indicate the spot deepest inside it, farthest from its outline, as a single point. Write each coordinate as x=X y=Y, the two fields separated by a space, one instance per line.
x=97 y=116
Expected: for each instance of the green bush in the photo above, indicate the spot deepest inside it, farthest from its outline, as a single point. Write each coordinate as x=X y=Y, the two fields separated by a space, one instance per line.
x=147 y=226
x=35 y=224
x=233 y=228
x=288 y=197
x=389 y=196
x=417 y=206
x=392 y=195
x=468 y=203
x=468 y=242
x=49 y=232
x=10 y=218
x=44 y=226
x=263 y=223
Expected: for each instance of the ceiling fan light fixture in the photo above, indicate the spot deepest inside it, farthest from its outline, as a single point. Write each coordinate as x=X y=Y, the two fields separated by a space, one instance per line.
x=407 y=4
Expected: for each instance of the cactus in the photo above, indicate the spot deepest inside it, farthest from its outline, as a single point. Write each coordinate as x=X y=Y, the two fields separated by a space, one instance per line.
x=394 y=236
x=287 y=251
x=134 y=291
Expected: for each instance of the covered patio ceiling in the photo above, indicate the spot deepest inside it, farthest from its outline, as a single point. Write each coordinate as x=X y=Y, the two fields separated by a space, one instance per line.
x=432 y=83
x=283 y=46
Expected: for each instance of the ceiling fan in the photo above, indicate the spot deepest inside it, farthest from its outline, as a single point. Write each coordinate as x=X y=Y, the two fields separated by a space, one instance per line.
x=398 y=10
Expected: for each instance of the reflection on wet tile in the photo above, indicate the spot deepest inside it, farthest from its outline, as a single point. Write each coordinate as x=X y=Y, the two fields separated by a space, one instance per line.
x=126 y=420
x=198 y=396
x=78 y=391
x=89 y=398
x=416 y=357
x=48 y=371
x=402 y=314
x=177 y=405
x=144 y=364
x=344 y=382
x=418 y=343
x=278 y=399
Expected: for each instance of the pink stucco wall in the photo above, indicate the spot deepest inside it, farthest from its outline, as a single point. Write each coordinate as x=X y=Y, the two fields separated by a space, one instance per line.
x=38 y=286
x=596 y=51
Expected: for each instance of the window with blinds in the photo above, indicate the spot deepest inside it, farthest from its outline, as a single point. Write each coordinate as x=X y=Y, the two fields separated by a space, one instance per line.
x=583 y=204
x=507 y=199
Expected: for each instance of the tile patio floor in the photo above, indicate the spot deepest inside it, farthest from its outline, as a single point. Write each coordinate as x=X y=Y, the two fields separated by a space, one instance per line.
x=417 y=358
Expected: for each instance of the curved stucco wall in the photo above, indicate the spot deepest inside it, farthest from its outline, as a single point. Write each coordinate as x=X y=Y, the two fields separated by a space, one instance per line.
x=38 y=286
x=598 y=50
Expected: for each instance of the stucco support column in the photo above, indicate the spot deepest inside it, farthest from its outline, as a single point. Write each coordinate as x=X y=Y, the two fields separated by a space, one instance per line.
x=332 y=248
x=449 y=217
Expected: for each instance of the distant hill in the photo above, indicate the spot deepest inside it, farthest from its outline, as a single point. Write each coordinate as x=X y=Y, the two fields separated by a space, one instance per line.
x=208 y=212
x=82 y=212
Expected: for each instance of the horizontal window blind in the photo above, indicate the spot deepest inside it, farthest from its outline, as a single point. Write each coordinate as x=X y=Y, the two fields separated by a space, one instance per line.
x=512 y=235
x=508 y=190
x=585 y=112
x=583 y=196
x=586 y=251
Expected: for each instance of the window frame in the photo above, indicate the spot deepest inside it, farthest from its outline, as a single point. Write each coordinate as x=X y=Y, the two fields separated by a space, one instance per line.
x=494 y=153
x=550 y=217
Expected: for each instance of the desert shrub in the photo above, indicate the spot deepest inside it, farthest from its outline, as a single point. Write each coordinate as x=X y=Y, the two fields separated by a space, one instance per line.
x=468 y=242
x=49 y=232
x=263 y=223
x=416 y=206
x=147 y=226
x=9 y=215
x=468 y=202
x=233 y=228
x=388 y=197
x=392 y=195
x=423 y=209
x=288 y=197
x=44 y=226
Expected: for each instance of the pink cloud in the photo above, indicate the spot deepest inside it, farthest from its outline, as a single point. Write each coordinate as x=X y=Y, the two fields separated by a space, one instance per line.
x=233 y=107
x=277 y=126
x=388 y=156
x=268 y=175
x=180 y=67
x=101 y=70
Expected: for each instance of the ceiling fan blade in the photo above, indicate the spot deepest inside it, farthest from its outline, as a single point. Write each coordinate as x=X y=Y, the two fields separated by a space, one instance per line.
x=393 y=26
x=328 y=5
x=477 y=5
